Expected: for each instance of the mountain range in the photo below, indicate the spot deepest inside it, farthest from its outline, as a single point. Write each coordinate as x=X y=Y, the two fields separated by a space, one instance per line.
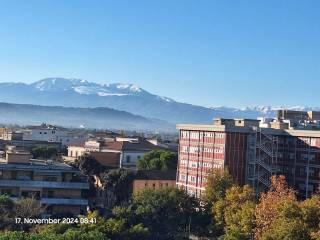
x=75 y=95
x=94 y=118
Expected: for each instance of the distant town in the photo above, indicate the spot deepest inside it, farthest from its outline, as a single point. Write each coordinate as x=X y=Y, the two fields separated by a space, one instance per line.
x=58 y=174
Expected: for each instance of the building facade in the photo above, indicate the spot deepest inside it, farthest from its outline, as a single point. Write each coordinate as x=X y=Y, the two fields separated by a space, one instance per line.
x=153 y=179
x=252 y=152
x=58 y=186
x=128 y=150
x=51 y=133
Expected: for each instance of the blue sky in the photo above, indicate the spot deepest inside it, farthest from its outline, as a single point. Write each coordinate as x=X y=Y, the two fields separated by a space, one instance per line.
x=233 y=53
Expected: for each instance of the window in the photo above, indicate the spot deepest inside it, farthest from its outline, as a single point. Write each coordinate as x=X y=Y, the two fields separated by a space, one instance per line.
x=14 y=175
x=291 y=156
x=302 y=171
x=50 y=194
x=146 y=184
x=128 y=159
x=50 y=179
x=153 y=185
x=219 y=135
x=192 y=179
x=182 y=177
x=184 y=134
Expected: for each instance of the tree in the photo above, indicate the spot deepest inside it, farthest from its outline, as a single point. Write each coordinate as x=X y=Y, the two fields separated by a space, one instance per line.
x=235 y=213
x=89 y=165
x=115 y=228
x=158 y=160
x=310 y=209
x=118 y=186
x=45 y=152
x=218 y=182
x=167 y=213
x=6 y=212
x=28 y=208
x=268 y=210
x=288 y=225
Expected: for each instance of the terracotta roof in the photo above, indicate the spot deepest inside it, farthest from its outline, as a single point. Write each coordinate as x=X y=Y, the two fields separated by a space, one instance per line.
x=113 y=145
x=77 y=144
x=155 y=175
x=142 y=145
x=108 y=159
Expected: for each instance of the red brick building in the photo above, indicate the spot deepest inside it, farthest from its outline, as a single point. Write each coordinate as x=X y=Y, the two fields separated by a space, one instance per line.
x=203 y=147
x=251 y=153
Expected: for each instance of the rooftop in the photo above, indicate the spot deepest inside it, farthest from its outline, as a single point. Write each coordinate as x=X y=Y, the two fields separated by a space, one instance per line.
x=140 y=145
x=155 y=175
x=36 y=164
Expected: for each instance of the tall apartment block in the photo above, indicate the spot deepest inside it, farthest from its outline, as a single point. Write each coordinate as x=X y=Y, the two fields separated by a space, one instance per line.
x=253 y=151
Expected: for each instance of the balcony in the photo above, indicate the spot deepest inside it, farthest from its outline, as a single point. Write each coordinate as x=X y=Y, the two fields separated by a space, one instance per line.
x=43 y=184
x=63 y=201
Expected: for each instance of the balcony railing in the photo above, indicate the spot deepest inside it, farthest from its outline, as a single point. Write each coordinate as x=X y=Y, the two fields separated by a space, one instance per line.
x=64 y=201
x=43 y=184
x=59 y=201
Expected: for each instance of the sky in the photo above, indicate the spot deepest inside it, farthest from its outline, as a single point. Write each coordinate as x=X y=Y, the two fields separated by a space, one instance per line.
x=210 y=53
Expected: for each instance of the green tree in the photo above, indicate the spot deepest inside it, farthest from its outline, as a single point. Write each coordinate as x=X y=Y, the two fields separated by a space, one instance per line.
x=167 y=213
x=310 y=209
x=218 y=181
x=88 y=165
x=6 y=212
x=115 y=229
x=235 y=213
x=288 y=224
x=118 y=185
x=158 y=160
x=45 y=152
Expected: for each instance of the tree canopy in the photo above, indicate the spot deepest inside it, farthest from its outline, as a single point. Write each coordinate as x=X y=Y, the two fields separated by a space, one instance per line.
x=235 y=213
x=45 y=152
x=89 y=165
x=118 y=186
x=158 y=160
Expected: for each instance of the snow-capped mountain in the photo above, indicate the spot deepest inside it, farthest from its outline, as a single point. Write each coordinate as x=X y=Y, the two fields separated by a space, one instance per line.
x=126 y=97
x=87 y=88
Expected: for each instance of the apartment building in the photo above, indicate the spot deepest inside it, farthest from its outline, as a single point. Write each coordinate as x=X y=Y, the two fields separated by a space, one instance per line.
x=253 y=151
x=57 y=186
x=51 y=133
x=9 y=135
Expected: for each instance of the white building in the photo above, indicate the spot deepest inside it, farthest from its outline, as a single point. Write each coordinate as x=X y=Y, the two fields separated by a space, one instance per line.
x=50 y=133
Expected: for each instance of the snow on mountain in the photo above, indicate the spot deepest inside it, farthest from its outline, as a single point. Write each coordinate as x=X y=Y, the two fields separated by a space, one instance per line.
x=125 y=97
x=84 y=87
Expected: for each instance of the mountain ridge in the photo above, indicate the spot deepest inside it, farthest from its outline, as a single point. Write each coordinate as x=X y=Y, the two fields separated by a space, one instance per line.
x=127 y=97
x=102 y=117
